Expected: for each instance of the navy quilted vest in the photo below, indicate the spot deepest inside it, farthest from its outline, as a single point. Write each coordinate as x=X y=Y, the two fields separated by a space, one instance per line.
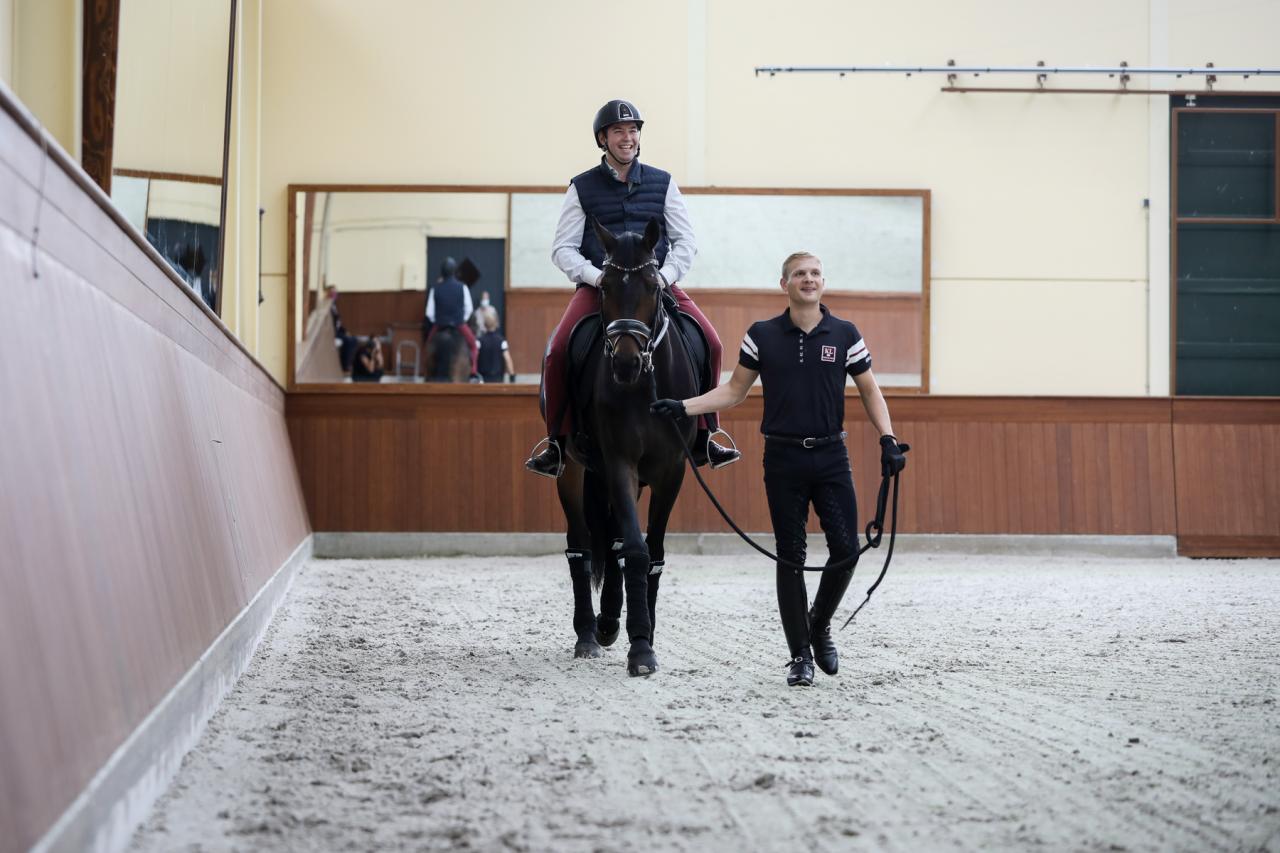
x=450 y=304
x=622 y=207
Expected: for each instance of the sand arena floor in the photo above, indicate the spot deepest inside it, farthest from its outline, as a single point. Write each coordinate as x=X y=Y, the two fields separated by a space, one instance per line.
x=983 y=703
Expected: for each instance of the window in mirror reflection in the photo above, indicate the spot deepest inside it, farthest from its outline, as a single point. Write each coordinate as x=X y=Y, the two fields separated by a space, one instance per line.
x=179 y=216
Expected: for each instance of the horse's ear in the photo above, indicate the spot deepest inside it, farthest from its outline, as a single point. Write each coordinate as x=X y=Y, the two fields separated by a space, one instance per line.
x=652 y=233
x=603 y=234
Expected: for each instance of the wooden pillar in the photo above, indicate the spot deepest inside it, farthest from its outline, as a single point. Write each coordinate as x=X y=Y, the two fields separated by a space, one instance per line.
x=101 y=37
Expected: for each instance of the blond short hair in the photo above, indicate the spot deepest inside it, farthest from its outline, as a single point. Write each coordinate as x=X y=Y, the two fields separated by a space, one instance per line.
x=488 y=318
x=792 y=258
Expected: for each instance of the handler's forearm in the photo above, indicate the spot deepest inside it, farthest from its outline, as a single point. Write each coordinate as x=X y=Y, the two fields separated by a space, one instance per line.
x=877 y=409
x=721 y=397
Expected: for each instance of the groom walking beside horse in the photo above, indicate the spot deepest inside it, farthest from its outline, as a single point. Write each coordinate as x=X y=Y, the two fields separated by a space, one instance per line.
x=803 y=356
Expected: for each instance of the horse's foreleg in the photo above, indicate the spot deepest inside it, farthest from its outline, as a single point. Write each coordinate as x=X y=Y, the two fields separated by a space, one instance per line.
x=609 y=622
x=662 y=499
x=607 y=571
x=635 y=560
x=579 y=555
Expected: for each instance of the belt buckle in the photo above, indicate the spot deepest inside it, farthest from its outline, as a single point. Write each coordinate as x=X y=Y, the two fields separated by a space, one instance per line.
x=808 y=443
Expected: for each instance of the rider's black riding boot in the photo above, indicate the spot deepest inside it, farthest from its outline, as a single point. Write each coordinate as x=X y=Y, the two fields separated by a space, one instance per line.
x=718 y=455
x=792 y=601
x=830 y=592
x=550 y=462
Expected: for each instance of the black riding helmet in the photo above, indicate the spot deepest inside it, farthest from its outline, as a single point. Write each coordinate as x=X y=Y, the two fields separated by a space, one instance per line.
x=613 y=113
x=448 y=268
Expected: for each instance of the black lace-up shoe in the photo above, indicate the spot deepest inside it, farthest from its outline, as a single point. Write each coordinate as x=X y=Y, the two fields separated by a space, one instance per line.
x=719 y=456
x=548 y=463
x=800 y=671
x=824 y=648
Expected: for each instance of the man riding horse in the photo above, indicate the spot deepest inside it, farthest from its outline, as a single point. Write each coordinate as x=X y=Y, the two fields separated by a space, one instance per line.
x=449 y=307
x=622 y=195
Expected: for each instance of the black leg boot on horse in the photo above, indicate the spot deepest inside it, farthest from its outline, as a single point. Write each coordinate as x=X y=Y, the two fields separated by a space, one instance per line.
x=584 y=620
x=641 y=659
x=609 y=621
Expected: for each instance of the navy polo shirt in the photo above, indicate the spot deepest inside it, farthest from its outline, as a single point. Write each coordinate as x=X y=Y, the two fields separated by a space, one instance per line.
x=804 y=373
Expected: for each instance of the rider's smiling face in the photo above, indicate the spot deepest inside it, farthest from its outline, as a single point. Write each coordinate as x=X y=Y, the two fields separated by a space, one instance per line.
x=804 y=282
x=622 y=142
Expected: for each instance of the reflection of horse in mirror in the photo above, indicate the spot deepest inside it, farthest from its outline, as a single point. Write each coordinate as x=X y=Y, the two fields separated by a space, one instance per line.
x=447 y=358
x=641 y=355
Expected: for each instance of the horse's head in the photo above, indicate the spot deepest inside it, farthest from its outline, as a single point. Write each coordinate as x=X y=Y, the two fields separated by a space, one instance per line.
x=629 y=288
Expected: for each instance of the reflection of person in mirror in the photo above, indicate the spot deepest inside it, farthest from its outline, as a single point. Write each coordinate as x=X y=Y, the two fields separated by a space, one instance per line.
x=802 y=357
x=368 y=364
x=449 y=304
x=495 y=355
x=476 y=321
x=622 y=194
x=345 y=342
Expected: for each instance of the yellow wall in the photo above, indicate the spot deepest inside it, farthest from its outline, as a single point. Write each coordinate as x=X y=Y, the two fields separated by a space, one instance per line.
x=171 y=86
x=6 y=42
x=1040 y=237
x=45 y=62
x=373 y=237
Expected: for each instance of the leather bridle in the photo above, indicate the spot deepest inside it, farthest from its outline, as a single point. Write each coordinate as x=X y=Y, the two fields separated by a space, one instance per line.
x=643 y=334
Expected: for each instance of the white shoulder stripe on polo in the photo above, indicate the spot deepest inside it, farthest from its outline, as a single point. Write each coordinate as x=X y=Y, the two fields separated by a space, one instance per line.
x=749 y=346
x=857 y=352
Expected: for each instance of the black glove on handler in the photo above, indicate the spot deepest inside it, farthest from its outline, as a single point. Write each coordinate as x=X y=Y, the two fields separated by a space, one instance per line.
x=892 y=455
x=668 y=409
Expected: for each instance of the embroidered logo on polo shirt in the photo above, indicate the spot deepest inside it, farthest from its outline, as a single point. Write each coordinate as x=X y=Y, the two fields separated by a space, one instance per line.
x=828 y=353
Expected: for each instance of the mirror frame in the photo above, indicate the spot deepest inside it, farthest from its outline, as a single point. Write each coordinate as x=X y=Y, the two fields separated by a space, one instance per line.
x=291 y=346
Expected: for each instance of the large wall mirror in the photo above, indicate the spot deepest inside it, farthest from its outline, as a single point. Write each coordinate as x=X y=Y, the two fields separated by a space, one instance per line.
x=169 y=157
x=363 y=261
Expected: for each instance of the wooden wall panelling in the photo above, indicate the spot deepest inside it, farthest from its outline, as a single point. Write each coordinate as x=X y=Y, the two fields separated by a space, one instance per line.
x=1227 y=453
x=980 y=465
x=131 y=538
x=371 y=312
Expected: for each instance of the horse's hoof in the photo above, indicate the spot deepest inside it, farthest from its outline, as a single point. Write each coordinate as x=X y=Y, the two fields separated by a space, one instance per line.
x=607 y=630
x=587 y=649
x=641 y=661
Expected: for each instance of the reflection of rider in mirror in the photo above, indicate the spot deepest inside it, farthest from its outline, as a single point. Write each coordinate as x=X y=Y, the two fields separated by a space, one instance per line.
x=622 y=195
x=449 y=304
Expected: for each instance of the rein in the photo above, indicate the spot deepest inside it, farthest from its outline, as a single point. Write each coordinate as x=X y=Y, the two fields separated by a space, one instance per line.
x=874 y=529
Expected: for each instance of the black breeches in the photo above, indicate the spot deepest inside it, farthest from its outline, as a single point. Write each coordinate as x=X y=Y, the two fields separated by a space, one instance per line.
x=794 y=478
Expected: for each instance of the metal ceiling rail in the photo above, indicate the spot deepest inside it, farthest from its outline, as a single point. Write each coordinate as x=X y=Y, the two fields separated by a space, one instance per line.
x=1206 y=71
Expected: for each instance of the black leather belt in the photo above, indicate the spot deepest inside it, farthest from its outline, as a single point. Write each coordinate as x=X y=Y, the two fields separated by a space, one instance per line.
x=810 y=442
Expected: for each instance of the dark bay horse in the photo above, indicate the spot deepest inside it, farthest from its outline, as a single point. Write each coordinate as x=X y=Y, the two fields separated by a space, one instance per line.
x=642 y=355
x=447 y=358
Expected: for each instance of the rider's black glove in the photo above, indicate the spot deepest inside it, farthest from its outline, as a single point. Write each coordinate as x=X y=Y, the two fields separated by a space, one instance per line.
x=668 y=409
x=892 y=455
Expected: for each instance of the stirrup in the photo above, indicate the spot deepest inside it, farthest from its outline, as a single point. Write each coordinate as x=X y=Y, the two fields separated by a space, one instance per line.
x=530 y=462
x=732 y=448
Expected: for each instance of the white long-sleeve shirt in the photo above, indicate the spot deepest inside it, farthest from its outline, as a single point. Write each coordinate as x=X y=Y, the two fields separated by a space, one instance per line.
x=566 y=254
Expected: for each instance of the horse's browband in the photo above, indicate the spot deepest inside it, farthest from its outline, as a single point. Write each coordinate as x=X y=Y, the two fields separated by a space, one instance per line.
x=652 y=262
